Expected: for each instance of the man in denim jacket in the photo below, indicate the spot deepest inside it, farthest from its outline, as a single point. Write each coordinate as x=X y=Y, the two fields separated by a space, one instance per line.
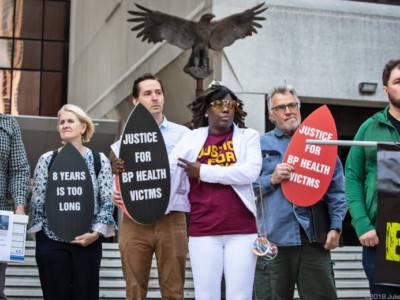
x=300 y=260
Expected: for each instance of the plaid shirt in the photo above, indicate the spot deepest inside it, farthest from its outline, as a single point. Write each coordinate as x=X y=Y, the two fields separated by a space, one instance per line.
x=14 y=167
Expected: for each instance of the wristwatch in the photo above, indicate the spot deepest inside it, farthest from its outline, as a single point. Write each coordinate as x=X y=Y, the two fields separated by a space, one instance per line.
x=338 y=230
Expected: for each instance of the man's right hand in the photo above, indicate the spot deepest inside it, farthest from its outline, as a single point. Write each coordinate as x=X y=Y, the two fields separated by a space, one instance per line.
x=282 y=172
x=20 y=210
x=369 y=239
x=118 y=166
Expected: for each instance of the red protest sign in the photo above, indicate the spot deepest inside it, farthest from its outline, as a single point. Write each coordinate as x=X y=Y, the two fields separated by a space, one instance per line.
x=313 y=164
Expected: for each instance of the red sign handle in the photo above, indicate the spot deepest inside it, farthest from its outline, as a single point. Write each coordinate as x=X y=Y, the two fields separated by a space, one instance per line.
x=117 y=188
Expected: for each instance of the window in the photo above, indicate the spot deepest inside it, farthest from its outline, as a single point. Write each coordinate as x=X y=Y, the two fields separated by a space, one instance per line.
x=34 y=37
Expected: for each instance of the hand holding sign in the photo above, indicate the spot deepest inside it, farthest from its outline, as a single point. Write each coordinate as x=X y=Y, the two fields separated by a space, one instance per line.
x=313 y=165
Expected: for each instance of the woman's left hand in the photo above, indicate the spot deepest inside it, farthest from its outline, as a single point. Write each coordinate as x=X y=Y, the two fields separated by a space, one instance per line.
x=192 y=169
x=86 y=239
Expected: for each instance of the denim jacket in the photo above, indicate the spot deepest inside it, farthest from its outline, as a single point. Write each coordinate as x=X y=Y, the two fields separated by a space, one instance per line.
x=278 y=218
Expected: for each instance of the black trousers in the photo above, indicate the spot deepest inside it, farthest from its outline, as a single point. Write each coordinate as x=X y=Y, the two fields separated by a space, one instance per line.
x=68 y=271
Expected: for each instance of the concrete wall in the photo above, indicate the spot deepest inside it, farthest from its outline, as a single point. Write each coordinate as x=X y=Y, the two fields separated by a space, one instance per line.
x=325 y=48
x=106 y=56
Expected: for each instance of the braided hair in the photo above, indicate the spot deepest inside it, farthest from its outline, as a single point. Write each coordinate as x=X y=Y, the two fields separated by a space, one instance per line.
x=202 y=102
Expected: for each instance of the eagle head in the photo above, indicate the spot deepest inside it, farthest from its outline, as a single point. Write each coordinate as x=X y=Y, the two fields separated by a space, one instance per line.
x=206 y=18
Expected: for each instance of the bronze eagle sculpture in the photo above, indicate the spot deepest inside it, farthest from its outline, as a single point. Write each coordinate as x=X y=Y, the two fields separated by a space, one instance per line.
x=155 y=26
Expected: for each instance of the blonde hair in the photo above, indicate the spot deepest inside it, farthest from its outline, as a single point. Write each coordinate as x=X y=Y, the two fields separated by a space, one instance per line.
x=83 y=118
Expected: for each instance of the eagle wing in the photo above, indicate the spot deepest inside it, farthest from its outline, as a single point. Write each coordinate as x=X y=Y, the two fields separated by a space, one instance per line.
x=227 y=30
x=155 y=26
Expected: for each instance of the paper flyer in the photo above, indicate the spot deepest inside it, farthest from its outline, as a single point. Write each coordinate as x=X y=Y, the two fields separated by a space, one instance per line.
x=19 y=238
x=6 y=227
x=12 y=236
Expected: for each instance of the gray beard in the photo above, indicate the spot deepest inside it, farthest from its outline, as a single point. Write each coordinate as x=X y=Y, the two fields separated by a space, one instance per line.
x=290 y=129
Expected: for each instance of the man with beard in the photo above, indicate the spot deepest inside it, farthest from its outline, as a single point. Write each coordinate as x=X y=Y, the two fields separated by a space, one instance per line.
x=361 y=172
x=300 y=260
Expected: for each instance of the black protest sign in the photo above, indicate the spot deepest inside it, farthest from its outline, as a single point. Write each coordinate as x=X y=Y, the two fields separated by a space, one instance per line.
x=387 y=267
x=69 y=198
x=145 y=184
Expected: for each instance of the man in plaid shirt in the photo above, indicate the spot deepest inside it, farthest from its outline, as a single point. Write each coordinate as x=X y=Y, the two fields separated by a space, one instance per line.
x=14 y=175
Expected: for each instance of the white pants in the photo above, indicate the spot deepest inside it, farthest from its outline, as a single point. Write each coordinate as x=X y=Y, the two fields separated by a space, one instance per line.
x=210 y=256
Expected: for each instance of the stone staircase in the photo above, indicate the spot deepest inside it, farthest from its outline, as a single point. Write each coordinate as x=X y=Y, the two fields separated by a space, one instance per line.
x=22 y=281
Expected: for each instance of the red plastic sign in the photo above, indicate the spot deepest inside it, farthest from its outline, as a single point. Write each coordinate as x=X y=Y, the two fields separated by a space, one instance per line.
x=314 y=165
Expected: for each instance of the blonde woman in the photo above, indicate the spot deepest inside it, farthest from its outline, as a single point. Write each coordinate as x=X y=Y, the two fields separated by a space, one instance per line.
x=70 y=270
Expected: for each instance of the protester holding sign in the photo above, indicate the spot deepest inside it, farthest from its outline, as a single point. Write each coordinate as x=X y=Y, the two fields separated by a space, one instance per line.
x=14 y=174
x=301 y=260
x=70 y=269
x=361 y=179
x=167 y=237
x=219 y=159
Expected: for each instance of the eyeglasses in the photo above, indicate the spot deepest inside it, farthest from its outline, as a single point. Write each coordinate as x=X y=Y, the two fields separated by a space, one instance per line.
x=219 y=104
x=282 y=108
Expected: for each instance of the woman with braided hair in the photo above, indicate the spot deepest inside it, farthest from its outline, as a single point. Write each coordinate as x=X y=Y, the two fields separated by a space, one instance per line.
x=215 y=166
x=200 y=105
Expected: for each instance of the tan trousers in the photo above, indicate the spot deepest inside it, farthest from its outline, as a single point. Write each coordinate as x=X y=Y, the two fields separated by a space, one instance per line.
x=167 y=238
